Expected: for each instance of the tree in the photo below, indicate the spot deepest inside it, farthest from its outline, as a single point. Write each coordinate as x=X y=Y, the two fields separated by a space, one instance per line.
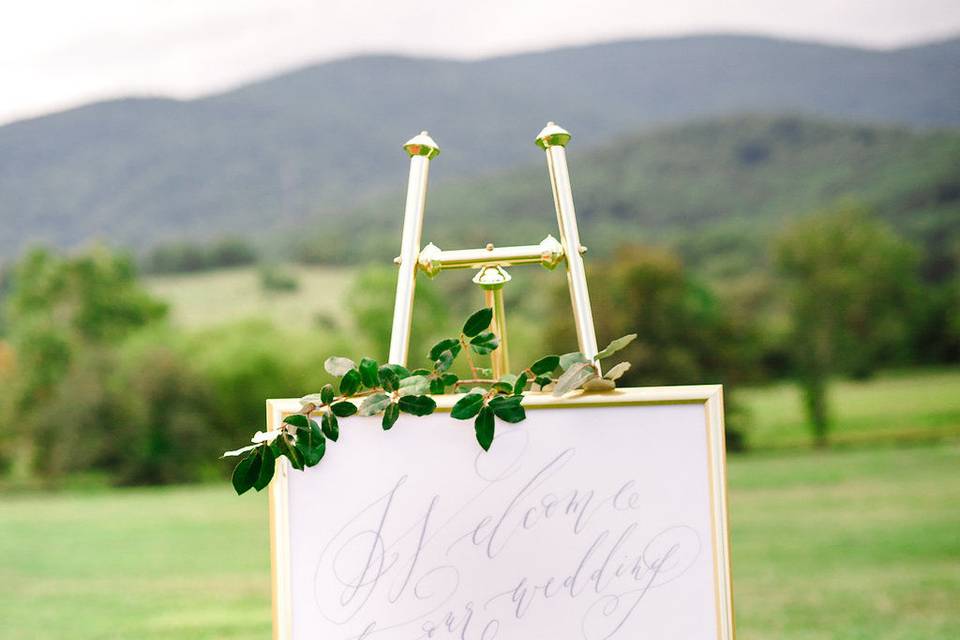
x=850 y=285
x=64 y=315
x=371 y=302
x=685 y=335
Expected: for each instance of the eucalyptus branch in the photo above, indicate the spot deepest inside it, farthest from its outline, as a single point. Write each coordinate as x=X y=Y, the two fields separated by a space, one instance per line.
x=371 y=389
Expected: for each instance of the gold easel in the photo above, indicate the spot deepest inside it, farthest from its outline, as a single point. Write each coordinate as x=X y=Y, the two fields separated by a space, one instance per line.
x=491 y=261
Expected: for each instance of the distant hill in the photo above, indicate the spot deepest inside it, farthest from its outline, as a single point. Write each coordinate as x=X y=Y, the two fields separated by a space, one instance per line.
x=326 y=138
x=717 y=190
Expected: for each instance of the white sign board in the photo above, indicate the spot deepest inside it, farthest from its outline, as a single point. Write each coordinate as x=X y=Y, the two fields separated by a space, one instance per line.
x=599 y=517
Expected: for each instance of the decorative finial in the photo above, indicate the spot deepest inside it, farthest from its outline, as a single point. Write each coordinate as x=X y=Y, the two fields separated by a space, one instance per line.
x=551 y=252
x=422 y=145
x=492 y=277
x=429 y=260
x=553 y=135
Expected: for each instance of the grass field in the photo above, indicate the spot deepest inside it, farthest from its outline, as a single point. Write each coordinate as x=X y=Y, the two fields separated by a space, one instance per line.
x=236 y=294
x=913 y=405
x=844 y=544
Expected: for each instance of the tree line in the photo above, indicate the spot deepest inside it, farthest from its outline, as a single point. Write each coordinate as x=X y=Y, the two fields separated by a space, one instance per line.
x=95 y=379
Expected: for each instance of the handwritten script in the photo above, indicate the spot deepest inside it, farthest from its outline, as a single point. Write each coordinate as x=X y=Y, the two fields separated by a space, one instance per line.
x=409 y=572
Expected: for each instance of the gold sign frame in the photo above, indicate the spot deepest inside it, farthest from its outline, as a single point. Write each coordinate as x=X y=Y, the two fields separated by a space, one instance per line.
x=709 y=396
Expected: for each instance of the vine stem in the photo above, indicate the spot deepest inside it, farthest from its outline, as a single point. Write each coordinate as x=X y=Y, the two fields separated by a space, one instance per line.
x=466 y=350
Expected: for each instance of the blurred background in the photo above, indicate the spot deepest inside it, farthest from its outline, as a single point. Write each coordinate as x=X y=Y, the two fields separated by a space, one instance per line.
x=201 y=201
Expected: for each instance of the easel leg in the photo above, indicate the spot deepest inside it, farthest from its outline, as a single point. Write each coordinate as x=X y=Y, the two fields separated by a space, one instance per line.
x=422 y=149
x=553 y=140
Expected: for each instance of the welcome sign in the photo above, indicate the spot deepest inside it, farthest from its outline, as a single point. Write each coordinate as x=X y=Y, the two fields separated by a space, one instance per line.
x=602 y=516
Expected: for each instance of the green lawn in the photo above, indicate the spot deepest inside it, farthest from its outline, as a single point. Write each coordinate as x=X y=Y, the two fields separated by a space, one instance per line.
x=845 y=544
x=914 y=405
x=200 y=300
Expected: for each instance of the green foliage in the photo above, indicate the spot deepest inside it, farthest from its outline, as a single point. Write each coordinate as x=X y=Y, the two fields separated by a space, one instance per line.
x=392 y=389
x=478 y=322
x=242 y=162
x=67 y=317
x=92 y=297
x=850 y=284
x=186 y=257
x=157 y=421
x=484 y=427
x=684 y=334
x=275 y=279
x=686 y=187
x=467 y=407
x=370 y=301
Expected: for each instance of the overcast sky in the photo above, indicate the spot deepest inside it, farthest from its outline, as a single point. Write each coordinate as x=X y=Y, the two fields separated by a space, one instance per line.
x=60 y=53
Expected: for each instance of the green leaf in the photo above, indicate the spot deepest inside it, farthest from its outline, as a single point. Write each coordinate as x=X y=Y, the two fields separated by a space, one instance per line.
x=543 y=381
x=368 y=373
x=520 y=384
x=326 y=394
x=313 y=455
x=374 y=404
x=599 y=384
x=467 y=406
x=267 y=464
x=338 y=366
x=444 y=361
x=436 y=386
x=389 y=379
x=449 y=379
x=502 y=386
x=508 y=408
x=616 y=345
x=344 y=409
x=312 y=445
x=421 y=372
x=449 y=344
x=573 y=377
x=567 y=360
x=545 y=365
x=288 y=449
x=350 y=383
x=246 y=472
x=297 y=420
x=414 y=386
x=390 y=415
x=484 y=426
x=484 y=343
x=509 y=378
x=314 y=431
x=617 y=371
x=417 y=405
x=331 y=426
x=401 y=371
x=478 y=322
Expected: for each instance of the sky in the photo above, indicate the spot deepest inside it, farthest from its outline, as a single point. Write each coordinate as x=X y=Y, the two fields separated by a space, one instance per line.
x=56 y=54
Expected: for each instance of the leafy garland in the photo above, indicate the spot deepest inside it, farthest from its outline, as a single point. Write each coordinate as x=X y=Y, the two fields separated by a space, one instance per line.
x=370 y=389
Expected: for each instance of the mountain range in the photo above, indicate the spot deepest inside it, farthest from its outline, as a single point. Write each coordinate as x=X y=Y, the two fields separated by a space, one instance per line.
x=324 y=141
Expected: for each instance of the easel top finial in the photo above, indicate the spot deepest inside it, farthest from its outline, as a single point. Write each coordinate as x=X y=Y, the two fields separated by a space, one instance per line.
x=422 y=145
x=553 y=135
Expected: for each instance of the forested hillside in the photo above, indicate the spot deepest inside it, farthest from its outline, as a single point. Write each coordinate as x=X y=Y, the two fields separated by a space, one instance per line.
x=716 y=190
x=325 y=139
